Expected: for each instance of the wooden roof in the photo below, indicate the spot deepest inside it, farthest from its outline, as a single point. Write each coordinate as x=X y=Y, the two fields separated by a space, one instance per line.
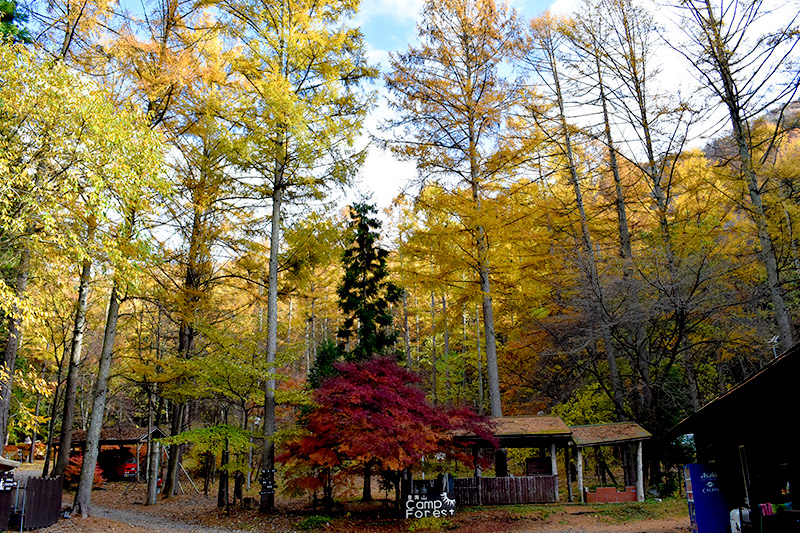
x=523 y=432
x=608 y=434
x=538 y=431
x=122 y=435
x=765 y=397
x=530 y=426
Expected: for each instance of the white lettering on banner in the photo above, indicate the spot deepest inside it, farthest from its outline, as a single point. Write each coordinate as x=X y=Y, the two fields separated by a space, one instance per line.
x=420 y=508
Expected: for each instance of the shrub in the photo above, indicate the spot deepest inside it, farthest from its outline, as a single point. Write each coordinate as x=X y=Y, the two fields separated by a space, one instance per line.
x=314 y=522
x=432 y=523
x=72 y=473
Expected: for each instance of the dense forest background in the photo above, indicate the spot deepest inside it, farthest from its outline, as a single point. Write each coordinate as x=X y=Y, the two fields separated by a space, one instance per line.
x=582 y=238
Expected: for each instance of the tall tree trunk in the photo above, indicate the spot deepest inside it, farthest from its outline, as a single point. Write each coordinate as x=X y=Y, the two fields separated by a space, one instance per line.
x=309 y=354
x=446 y=355
x=175 y=451
x=416 y=329
x=482 y=245
x=718 y=47
x=222 y=490
x=84 y=493
x=238 y=479
x=496 y=408
x=153 y=454
x=71 y=391
x=267 y=502
x=406 y=333
x=480 y=359
x=51 y=426
x=596 y=294
x=34 y=432
x=434 y=386
x=366 y=493
x=12 y=344
x=625 y=250
x=192 y=285
x=289 y=323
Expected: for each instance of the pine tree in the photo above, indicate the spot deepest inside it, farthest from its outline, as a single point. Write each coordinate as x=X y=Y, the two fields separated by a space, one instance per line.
x=328 y=354
x=366 y=295
x=12 y=22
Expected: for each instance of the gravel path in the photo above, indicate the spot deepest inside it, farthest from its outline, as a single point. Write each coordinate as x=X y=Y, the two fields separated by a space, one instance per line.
x=154 y=523
x=107 y=519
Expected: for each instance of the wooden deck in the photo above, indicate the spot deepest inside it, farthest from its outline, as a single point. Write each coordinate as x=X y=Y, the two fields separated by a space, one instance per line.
x=505 y=490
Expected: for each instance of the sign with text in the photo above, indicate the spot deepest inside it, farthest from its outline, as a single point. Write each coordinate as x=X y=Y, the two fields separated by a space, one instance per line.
x=422 y=505
x=431 y=498
x=708 y=511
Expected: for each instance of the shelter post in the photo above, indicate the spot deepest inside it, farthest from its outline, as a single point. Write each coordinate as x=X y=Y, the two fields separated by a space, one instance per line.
x=579 y=465
x=568 y=473
x=639 y=473
x=554 y=465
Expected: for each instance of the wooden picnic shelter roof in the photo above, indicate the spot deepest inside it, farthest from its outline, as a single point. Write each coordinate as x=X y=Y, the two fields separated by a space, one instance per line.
x=608 y=434
x=525 y=432
x=543 y=430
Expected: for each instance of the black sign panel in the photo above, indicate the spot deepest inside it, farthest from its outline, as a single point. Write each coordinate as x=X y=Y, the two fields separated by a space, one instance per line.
x=430 y=498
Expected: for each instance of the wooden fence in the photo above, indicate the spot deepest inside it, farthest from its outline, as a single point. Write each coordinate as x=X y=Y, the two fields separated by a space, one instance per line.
x=37 y=503
x=505 y=490
x=7 y=489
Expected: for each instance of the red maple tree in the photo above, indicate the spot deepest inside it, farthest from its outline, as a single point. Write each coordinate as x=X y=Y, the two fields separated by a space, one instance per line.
x=373 y=412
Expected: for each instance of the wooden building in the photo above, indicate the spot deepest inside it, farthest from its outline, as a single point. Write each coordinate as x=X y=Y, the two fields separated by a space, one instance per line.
x=136 y=439
x=745 y=436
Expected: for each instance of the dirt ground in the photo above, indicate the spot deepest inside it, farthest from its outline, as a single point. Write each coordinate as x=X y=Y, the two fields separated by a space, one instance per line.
x=118 y=508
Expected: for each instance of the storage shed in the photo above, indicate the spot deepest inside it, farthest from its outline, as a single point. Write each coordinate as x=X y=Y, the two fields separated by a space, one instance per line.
x=747 y=437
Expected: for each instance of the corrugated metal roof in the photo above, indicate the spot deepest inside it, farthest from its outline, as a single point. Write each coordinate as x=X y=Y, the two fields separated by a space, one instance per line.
x=509 y=426
x=605 y=434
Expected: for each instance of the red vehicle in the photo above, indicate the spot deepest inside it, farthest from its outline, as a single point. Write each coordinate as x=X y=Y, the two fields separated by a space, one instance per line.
x=118 y=464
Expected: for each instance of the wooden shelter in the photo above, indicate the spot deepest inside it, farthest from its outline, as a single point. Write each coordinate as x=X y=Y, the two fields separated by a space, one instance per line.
x=539 y=486
x=547 y=433
x=613 y=434
x=746 y=437
x=121 y=435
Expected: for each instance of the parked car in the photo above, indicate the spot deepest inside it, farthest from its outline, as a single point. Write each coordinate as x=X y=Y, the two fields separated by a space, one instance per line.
x=118 y=463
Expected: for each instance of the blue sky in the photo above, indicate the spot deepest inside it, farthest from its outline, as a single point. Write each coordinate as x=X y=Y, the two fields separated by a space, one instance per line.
x=390 y=26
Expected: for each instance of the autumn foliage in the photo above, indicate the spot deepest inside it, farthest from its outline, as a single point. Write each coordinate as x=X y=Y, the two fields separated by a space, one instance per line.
x=373 y=411
x=73 y=471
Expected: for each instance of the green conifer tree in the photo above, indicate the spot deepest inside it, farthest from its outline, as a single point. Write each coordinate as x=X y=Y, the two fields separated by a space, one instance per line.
x=328 y=354
x=366 y=293
x=11 y=20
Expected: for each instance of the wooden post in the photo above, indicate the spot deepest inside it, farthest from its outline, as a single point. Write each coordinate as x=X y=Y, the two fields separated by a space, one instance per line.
x=554 y=466
x=579 y=465
x=567 y=473
x=639 y=473
x=478 y=474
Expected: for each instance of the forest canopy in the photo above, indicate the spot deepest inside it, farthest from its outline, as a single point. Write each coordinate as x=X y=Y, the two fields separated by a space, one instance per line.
x=581 y=236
